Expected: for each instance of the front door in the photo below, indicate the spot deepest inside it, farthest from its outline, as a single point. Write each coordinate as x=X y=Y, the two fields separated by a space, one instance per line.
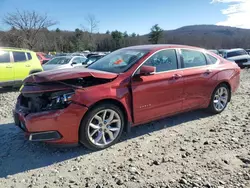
x=160 y=94
x=6 y=68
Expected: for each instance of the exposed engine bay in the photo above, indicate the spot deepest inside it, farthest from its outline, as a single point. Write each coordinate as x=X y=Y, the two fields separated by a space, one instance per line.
x=36 y=100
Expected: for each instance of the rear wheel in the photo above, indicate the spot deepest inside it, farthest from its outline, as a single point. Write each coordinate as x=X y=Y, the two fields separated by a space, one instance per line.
x=219 y=99
x=102 y=127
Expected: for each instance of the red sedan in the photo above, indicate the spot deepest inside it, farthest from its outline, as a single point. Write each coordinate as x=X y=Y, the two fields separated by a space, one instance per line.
x=128 y=87
x=43 y=58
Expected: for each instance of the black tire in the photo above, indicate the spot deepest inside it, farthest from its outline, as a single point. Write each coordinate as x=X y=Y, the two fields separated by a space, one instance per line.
x=83 y=131
x=211 y=108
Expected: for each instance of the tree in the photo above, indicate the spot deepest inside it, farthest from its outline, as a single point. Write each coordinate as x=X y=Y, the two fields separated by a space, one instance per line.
x=117 y=37
x=133 y=35
x=92 y=24
x=125 y=34
x=108 y=32
x=90 y=28
x=155 y=34
x=30 y=23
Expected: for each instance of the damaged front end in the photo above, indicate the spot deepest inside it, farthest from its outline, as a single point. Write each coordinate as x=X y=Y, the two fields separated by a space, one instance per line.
x=39 y=97
x=45 y=101
x=47 y=108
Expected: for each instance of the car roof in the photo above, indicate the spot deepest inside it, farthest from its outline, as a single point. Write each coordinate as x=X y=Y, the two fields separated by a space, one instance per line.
x=161 y=46
x=15 y=49
x=234 y=50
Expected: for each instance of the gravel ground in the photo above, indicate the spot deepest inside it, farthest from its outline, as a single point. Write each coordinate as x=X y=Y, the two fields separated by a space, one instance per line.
x=193 y=149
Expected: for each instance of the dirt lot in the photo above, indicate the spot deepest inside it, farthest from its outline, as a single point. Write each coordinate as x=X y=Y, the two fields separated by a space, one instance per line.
x=193 y=149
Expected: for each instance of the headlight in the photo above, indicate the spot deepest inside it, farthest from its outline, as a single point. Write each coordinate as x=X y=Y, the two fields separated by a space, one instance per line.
x=65 y=98
x=60 y=100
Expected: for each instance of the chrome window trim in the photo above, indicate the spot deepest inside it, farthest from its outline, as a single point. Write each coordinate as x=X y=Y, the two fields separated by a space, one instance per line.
x=178 y=59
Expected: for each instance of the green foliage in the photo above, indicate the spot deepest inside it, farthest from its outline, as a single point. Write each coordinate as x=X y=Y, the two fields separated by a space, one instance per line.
x=155 y=34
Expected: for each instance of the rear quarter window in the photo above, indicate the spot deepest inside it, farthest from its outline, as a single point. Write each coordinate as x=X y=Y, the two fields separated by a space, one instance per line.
x=212 y=59
x=29 y=56
x=19 y=56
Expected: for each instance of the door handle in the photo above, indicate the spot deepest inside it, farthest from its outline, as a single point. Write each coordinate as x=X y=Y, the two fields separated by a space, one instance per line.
x=8 y=66
x=208 y=71
x=177 y=76
x=27 y=65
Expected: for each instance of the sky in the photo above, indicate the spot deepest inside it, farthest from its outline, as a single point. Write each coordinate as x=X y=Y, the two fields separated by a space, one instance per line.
x=135 y=15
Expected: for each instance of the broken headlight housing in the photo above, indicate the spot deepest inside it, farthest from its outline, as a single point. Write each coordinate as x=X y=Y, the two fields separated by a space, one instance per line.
x=60 y=100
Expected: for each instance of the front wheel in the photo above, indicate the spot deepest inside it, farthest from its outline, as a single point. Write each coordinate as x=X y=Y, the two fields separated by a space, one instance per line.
x=219 y=99
x=102 y=127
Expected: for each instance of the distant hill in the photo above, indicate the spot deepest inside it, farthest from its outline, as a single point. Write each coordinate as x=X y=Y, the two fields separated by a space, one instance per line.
x=209 y=36
x=209 y=29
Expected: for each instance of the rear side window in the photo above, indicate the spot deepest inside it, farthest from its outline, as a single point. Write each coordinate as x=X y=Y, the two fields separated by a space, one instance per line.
x=29 y=56
x=212 y=59
x=19 y=56
x=192 y=58
x=4 y=57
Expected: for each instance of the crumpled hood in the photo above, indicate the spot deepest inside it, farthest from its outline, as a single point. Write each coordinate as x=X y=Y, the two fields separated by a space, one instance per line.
x=66 y=74
x=239 y=57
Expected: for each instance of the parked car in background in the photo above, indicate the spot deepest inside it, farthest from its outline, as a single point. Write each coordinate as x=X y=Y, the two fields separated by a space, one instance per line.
x=64 y=62
x=239 y=55
x=78 y=54
x=93 y=59
x=62 y=54
x=214 y=51
x=43 y=58
x=222 y=51
x=248 y=51
x=16 y=64
x=127 y=87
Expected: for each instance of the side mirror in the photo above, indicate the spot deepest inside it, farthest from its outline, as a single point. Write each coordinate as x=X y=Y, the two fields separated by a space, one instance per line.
x=73 y=63
x=147 y=70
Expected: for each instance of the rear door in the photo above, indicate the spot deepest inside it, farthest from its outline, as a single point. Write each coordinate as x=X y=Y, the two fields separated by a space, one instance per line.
x=160 y=94
x=199 y=78
x=22 y=65
x=6 y=68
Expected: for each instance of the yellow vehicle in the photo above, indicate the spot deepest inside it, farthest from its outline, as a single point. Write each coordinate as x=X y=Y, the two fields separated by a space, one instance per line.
x=16 y=64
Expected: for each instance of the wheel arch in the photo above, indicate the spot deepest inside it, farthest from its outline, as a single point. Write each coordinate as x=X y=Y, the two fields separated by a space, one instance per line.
x=35 y=71
x=229 y=87
x=127 y=124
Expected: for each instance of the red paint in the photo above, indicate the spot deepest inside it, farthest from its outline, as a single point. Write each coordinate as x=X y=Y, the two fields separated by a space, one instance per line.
x=144 y=98
x=41 y=56
x=65 y=74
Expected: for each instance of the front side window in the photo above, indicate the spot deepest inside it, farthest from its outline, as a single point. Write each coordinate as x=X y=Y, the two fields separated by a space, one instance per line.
x=83 y=60
x=4 y=57
x=19 y=56
x=163 y=61
x=119 y=61
x=77 y=60
x=192 y=58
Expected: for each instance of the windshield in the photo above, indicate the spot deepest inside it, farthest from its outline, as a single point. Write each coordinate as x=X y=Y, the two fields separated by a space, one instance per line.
x=236 y=53
x=59 y=61
x=118 y=61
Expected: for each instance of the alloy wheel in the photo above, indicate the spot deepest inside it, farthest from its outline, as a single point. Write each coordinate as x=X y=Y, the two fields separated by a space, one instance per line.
x=104 y=127
x=220 y=98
